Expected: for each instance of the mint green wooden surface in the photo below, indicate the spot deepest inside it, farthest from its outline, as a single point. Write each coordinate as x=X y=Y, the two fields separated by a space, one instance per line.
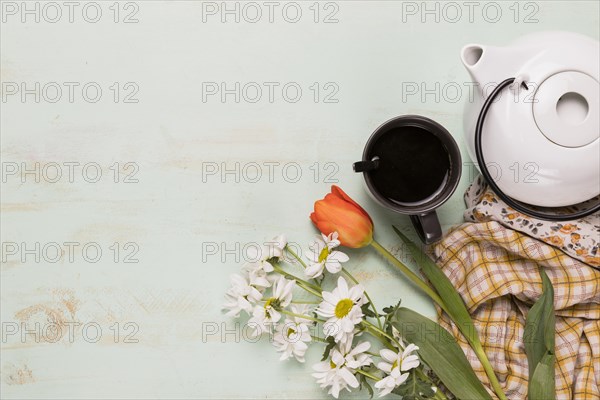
x=172 y=294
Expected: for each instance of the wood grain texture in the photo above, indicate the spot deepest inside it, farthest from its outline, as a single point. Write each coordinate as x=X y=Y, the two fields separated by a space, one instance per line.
x=143 y=320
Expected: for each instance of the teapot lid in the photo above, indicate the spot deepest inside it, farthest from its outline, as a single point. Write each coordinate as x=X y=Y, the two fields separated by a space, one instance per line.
x=563 y=108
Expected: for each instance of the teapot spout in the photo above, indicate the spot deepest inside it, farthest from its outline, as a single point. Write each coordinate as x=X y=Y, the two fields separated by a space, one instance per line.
x=471 y=54
x=475 y=57
x=492 y=64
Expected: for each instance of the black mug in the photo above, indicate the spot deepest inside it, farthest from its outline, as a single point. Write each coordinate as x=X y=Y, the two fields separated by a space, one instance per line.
x=412 y=165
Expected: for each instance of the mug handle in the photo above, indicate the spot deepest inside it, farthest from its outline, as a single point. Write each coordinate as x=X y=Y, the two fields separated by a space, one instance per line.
x=427 y=226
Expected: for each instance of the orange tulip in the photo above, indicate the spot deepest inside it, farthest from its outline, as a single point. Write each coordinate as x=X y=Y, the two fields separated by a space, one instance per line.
x=337 y=212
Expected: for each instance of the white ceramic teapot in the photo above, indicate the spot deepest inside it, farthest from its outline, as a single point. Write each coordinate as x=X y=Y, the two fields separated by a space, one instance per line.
x=537 y=104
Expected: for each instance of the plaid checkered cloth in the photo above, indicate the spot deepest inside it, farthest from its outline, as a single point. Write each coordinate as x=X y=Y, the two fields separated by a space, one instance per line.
x=495 y=269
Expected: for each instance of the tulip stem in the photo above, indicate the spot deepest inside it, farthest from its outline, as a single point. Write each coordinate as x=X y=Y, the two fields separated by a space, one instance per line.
x=353 y=279
x=406 y=271
x=487 y=366
x=474 y=342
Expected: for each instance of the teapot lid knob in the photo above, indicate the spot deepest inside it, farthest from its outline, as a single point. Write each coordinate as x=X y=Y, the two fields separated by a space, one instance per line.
x=565 y=108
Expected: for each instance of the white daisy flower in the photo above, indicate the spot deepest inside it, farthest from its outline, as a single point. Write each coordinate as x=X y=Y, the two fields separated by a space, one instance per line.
x=257 y=276
x=321 y=255
x=356 y=357
x=241 y=296
x=282 y=291
x=263 y=257
x=341 y=307
x=291 y=338
x=396 y=366
x=338 y=372
x=265 y=317
x=390 y=382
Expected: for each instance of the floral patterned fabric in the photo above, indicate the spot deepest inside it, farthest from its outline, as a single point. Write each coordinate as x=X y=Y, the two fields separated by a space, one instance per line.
x=579 y=239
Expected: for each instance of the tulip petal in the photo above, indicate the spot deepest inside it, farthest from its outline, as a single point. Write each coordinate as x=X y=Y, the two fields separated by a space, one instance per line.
x=339 y=192
x=354 y=229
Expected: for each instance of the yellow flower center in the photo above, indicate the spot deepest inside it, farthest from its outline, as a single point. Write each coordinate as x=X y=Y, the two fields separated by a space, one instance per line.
x=269 y=302
x=324 y=253
x=290 y=331
x=343 y=307
x=332 y=365
x=395 y=364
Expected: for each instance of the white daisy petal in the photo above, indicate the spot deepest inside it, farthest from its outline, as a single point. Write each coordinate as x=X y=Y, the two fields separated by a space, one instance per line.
x=388 y=355
x=314 y=270
x=361 y=348
x=385 y=367
x=396 y=367
x=322 y=366
x=338 y=256
x=402 y=379
x=342 y=312
x=409 y=349
x=409 y=362
x=342 y=287
x=349 y=377
x=339 y=373
x=333 y=266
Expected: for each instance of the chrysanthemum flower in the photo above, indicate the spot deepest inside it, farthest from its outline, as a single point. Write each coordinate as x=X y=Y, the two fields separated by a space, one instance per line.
x=396 y=366
x=263 y=257
x=291 y=337
x=266 y=316
x=241 y=296
x=337 y=373
x=322 y=255
x=342 y=308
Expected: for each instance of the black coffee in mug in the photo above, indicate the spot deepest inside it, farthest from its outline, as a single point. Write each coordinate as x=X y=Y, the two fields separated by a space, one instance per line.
x=412 y=165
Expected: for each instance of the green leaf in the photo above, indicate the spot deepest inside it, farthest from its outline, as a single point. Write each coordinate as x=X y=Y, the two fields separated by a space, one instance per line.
x=539 y=343
x=389 y=311
x=328 y=348
x=542 y=385
x=454 y=305
x=415 y=389
x=392 y=309
x=441 y=353
x=367 y=311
